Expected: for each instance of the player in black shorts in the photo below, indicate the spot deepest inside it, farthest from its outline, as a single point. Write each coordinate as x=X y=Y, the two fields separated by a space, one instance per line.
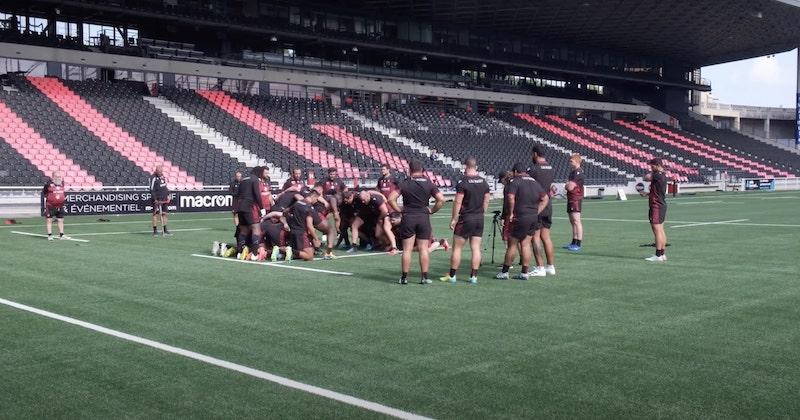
x=300 y=218
x=54 y=194
x=469 y=208
x=575 y=201
x=251 y=210
x=415 y=227
x=159 y=193
x=658 y=207
x=347 y=213
x=542 y=172
x=332 y=189
x=526 y=199
x=373 y=215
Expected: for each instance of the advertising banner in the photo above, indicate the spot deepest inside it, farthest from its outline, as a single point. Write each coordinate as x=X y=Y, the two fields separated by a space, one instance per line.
x=759 y=184
x=131 y=202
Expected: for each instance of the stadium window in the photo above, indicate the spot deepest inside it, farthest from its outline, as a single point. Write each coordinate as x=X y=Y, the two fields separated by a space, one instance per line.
x=37 y=25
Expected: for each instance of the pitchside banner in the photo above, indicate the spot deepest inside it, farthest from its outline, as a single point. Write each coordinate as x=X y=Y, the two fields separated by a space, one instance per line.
x=130 y=202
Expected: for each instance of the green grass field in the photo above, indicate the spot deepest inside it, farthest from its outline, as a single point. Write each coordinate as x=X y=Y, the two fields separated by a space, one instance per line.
x=713 y=333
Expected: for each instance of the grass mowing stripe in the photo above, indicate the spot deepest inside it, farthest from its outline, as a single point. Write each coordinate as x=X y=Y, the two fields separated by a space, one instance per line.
x=280 y=380
x=275 y=264
x=135 y=232
x=40 y=235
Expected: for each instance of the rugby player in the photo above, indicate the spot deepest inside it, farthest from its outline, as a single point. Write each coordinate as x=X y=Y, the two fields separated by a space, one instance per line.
x=300 y=218
x=159 y=193
x=332 y=189
x=415 y=227
x=233 y=188
x=251 y=209
x=321 y=208
x=574 y=201
x=347 y=213
x=526 y=200
x=373 y=215
x=54 y=193
x=469 y=208
x=542 y=172
x=657 y=207
x=295 y=179
x=386 y=183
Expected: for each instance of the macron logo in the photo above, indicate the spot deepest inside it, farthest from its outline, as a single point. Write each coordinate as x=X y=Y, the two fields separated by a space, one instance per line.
x=201 y=201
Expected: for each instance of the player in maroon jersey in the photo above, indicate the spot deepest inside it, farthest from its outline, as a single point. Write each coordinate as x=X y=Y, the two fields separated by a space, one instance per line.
x=658 y=207
x=295 y=179
x=54 y=194
x=575 y=201
x=386 y=183
x=373 y=214
x=332 y=189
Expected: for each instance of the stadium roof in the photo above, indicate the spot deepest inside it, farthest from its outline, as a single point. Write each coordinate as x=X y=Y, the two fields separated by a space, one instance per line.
x=696 y=32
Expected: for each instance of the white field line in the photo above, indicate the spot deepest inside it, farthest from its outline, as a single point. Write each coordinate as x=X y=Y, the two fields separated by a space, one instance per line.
x=39 y=235
x=275 y=264
x=127 y=222
x=722 y=222
x=136 y=232
x=762 y=224
x=280 y=380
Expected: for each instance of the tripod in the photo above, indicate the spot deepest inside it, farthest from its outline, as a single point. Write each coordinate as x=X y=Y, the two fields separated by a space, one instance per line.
x=495 y=222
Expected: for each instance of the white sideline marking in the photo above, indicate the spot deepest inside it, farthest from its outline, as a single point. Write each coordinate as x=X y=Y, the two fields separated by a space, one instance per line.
x=722 y=222
x=127 y=222
x=763 y=224
x=280 y=380
x=136 y=232
x=39 y=235
x=275 y=264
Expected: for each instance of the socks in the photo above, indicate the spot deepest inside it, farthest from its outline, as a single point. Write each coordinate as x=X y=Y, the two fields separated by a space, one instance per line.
x=155 y=229
x=452 y=272
x=578 y=242
x=659 y=252
x=241 y=242
x=424 y=275
x=473 y=273
x=404 y=275
x=505 y=268
x=524 y=269
x=165 y=229
x=574 y=242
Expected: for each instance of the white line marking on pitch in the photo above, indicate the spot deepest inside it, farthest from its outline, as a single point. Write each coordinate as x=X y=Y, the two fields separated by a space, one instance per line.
x=722 y=222
x=39 y=235
x=763 y=224
x=280 y=380
x=275 y=264
x=136 y=232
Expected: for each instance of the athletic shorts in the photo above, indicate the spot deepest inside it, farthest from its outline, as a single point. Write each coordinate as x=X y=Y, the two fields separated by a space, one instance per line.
x=54 y=212
x=235 y=206
x=574 y=206
x=298 y=239
x=657 y=215
x=251 y=217
x=468 y=227
x=160 y=207
x=545 y=221
x=274 y=235
x=418 y=225
x=524 y=227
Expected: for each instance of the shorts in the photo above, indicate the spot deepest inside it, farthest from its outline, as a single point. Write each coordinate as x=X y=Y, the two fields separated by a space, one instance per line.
x=657 y=215
x=418 y=225
x=545 y=221
x=235 y=206
x=274 y=235
x=524 y=227
x=469 y=227
x=54 y=212
x=574 y=206
x=249 y=218
x=160 y=207
x=298 y=240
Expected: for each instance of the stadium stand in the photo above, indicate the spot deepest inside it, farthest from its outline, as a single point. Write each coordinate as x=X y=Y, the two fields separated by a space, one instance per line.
x=73 y=139
x=16 y=169
x=124 y=104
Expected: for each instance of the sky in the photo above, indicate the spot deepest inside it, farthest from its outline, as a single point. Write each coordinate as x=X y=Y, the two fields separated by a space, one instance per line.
x=762 y=81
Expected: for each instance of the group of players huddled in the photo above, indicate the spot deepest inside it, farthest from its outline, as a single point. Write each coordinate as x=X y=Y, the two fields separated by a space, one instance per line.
x=302 y=218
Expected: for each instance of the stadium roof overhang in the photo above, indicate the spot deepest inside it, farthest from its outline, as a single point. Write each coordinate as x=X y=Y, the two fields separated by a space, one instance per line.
x=692 y=32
